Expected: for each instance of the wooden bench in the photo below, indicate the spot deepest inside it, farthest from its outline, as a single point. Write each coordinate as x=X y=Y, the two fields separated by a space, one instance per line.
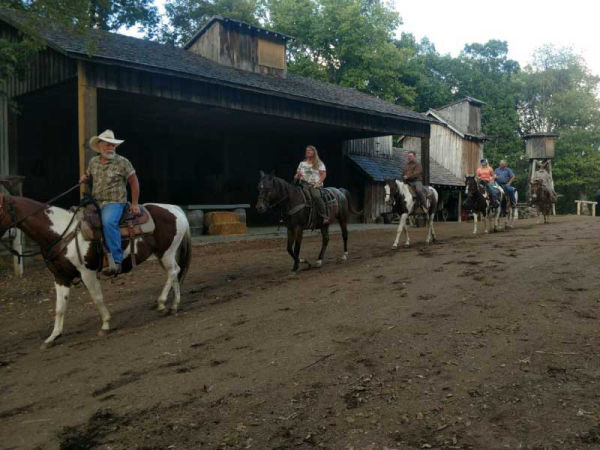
x=586 y=202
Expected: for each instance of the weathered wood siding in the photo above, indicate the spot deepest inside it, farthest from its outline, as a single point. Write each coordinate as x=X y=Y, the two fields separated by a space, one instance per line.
x=460 y=156
x=236 y=47
x=464 y=115
x=377 y=146
x=540 y=147
x=374 y=201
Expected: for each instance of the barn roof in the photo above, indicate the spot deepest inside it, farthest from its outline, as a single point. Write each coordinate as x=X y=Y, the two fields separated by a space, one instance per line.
x=112 y=48
x=382 y=169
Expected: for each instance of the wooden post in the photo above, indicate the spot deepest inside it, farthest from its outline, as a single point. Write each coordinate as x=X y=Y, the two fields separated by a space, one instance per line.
x=87 y=116
x=578 y=207
x=4 y=150
x=594 y=208
x=425 y=158
x=459 y=206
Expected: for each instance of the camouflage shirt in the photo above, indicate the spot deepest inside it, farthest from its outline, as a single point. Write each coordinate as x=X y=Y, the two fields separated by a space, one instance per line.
x=110 y=179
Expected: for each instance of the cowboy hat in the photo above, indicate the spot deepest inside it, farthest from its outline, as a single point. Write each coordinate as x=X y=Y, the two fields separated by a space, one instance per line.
x=106 y=136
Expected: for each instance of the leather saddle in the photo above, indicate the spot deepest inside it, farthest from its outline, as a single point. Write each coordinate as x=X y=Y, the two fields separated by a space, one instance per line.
x=131 y=225
x=413 y=192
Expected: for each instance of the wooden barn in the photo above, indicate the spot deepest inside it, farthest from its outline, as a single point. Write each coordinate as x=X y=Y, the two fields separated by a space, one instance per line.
x=378 y=160
x=199 y=122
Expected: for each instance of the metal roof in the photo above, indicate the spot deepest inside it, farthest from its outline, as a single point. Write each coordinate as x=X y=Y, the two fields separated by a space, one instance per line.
x=383 y=169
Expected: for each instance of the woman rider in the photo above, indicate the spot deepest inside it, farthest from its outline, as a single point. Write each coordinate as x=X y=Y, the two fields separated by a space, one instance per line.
x=313 y=172
x=486 y=175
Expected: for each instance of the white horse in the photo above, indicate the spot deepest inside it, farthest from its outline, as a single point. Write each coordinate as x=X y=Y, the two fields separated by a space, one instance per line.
x=69 y=256
x=398 y=194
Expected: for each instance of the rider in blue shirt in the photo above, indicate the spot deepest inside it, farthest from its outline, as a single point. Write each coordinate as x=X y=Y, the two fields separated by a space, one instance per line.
x=505 y=177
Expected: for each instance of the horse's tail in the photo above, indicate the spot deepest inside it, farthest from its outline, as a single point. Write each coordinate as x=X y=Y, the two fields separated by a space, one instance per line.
x=184 y=255
x=346 y=193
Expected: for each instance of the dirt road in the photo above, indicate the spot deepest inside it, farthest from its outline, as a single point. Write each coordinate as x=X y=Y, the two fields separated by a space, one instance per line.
x=474 y=342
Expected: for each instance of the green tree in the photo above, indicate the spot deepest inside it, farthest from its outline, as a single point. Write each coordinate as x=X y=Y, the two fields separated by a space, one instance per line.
x=79 y=15
x=346 y=42
x=560 y=94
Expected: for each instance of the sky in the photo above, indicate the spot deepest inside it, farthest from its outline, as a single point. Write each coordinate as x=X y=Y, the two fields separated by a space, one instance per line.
x=524 y=24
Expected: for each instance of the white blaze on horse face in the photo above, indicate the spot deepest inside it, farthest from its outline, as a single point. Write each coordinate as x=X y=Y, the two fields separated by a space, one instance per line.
x=386 y=188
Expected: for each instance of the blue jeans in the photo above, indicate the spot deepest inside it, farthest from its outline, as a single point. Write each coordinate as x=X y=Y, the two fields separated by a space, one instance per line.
x=491 y=190
x=510 y=191
x=111 y=214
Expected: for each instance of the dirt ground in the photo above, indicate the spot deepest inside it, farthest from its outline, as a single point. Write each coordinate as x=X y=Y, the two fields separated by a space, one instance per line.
x=478 y=342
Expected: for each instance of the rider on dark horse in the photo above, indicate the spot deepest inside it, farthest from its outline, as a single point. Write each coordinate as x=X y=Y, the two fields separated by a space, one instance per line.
x=486 y=175
x=413 y=176
x=109 y=174
x=312 y=171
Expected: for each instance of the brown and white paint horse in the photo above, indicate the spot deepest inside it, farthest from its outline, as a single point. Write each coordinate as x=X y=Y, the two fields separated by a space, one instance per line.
x=72 y=257
x=541 y=199
x=403 y=203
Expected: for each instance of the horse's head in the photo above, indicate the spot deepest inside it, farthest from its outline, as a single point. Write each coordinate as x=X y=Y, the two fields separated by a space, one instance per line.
x=391 y=192
x=266 y=192
x=536 y=186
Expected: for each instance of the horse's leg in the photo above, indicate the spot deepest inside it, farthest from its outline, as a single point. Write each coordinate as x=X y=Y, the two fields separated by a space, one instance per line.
x=475 y=222
x=497 y=219
x=398 y=233
x=297 y=246
x=433 y=236
x=62 y=297
x=324 y=243
x=93 y=286
x=429 y=228
x=290 y=243
x=403 y=220
x=486 y=219
x=344 y=228
x=170 y=265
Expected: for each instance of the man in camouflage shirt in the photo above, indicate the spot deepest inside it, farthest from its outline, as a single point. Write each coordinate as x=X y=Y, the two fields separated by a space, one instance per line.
x=109 y=174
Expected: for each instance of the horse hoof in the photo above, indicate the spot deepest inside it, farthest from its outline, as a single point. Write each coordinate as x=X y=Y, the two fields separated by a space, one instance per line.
x=103 y=333
x=406 y=245
x=302 y=261
x=319 y=263
x=394 y=247
x=174 y=312
x=345 y=257
x=46 y=345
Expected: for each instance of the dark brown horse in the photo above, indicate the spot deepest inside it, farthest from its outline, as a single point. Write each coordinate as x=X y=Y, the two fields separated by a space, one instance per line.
x=541 y=198
x=300 y=213
x=69 y=256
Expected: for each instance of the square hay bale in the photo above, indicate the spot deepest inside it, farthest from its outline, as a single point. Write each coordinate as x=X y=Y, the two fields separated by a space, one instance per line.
x=220 y=217
x=227 y=228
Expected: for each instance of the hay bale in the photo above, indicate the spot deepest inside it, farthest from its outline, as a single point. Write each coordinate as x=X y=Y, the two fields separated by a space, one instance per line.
x=218 y=229
x=220 y=217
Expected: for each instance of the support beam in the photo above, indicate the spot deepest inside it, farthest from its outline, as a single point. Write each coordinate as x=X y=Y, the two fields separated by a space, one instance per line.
x=87 y=116
x=425 y=158
x=459 y=206
x=4 y=151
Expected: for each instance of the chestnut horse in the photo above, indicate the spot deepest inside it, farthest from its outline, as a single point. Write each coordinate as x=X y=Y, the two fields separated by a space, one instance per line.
x=542 y=199
x=70 y=257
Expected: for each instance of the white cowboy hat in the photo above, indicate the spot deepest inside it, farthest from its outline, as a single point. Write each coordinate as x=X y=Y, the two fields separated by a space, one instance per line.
x=106 y=136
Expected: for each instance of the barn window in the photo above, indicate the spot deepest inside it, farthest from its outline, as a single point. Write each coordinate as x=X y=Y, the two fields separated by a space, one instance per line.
x=271 y=54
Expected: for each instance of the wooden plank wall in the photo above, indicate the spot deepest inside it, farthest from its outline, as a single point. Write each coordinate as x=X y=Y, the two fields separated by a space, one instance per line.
x=374 y=201
x=447 y=149
x=377 y=146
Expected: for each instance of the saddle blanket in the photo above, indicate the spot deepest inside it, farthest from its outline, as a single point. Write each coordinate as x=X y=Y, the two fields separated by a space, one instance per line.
x=90 y=223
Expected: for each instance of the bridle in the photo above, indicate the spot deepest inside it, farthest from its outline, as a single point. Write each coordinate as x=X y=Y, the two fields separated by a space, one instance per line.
x=265 y=198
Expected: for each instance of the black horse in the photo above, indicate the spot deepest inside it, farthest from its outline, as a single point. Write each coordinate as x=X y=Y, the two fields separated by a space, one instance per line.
x=300 y=214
